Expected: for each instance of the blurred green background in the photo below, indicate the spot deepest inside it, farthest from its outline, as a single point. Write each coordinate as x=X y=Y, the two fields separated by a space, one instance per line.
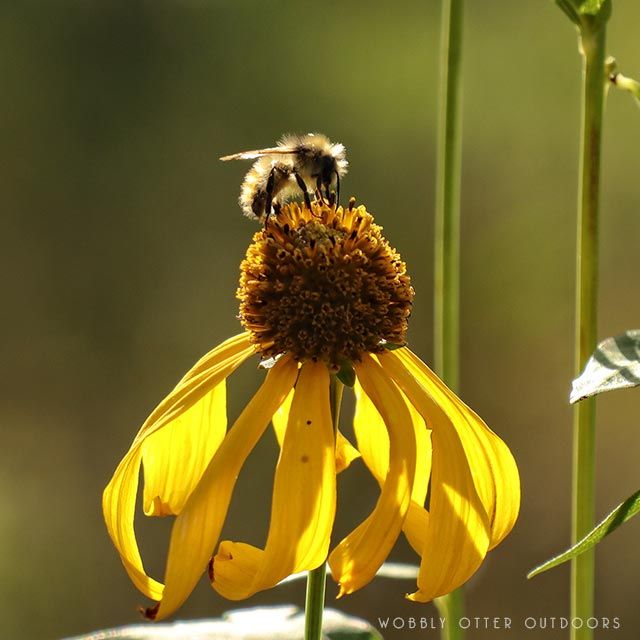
x=121 y=238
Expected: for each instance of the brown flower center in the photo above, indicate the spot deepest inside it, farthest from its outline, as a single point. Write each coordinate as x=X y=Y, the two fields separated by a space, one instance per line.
x=323 y=284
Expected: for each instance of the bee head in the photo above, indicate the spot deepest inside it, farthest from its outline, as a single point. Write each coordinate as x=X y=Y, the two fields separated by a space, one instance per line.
x=328 y=170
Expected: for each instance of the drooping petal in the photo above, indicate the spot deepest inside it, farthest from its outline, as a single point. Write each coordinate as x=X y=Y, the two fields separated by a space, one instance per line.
x=281 y=418
x=373 y=444
x=371 y=434
x=196 y=530
x=119 y=497
x=118 y=506
x=175 y=457
x=234 y=567
x=304 y=498
x=458 y=532
x=346 y=453
x=496 y=467
x=207 y=373
x=355 y=561
x=415 y=527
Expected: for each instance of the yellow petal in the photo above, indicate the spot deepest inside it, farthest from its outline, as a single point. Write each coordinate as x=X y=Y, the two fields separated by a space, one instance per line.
x=304 y=498
x=175 y=457
x=207 y=373
x=234 y=566
x=118 y=505
x=373 y=443
x=496 y=467
x=371 y=435
x=458 y=532
x=355 y=561
x=281 y=417
x=196 y=530
x=346 y=453
x=119 y=497
x=415 y=527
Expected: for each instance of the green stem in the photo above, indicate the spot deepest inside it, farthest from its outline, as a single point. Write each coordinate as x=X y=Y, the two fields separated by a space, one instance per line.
x=451 y=608
x=447 y=240
x=316 y=579
x=447 y=232
x=583 y=511
x=314 y=606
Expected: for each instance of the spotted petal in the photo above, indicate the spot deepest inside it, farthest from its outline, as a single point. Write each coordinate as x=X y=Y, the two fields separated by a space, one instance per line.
x=304 y=498
x=346 y=453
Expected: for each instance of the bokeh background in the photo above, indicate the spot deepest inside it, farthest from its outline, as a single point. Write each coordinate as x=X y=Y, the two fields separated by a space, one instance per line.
x=120 y=239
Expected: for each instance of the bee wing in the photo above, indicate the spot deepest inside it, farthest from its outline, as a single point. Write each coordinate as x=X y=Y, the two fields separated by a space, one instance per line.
x=259 y=153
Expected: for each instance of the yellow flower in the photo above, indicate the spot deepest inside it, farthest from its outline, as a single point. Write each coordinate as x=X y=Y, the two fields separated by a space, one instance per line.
x=321 y=291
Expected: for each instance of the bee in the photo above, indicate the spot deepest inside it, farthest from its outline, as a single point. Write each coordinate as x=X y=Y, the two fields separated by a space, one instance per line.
x=296 y=163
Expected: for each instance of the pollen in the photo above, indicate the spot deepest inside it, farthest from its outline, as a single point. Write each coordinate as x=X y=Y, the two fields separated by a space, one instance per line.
x=323 y=284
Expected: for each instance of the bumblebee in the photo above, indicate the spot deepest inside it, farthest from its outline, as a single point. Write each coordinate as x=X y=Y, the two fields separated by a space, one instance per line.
x=296 y=163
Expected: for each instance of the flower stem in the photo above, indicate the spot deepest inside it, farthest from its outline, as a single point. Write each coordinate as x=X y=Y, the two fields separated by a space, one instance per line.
x=447 y=241
x=447 y=232
x=317 y=578
x=314 y=606
x=583 y=506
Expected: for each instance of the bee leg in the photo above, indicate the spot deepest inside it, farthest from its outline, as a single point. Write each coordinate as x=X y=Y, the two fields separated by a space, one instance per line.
x=269 y=195
x=277 y=207
x=319 y=188
x=332 y=199
x=303 y=186
x=337 y=188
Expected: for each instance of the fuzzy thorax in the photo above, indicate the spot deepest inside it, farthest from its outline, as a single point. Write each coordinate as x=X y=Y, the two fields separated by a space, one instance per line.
x=323 y=285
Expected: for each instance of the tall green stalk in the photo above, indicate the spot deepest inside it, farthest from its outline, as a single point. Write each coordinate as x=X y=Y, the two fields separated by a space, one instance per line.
x=317 y=578
x=447 y=240
x=447 y=235
x=583 y=505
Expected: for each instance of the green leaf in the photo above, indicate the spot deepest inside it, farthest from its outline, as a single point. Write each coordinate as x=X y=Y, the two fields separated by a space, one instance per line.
x=259 y=623
x=629 y=508
x=595 y=14
x=570 y=11
x=586 y=13
x=615 y=364
x=392 y=346
x=347 y=374
x=593 y=7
